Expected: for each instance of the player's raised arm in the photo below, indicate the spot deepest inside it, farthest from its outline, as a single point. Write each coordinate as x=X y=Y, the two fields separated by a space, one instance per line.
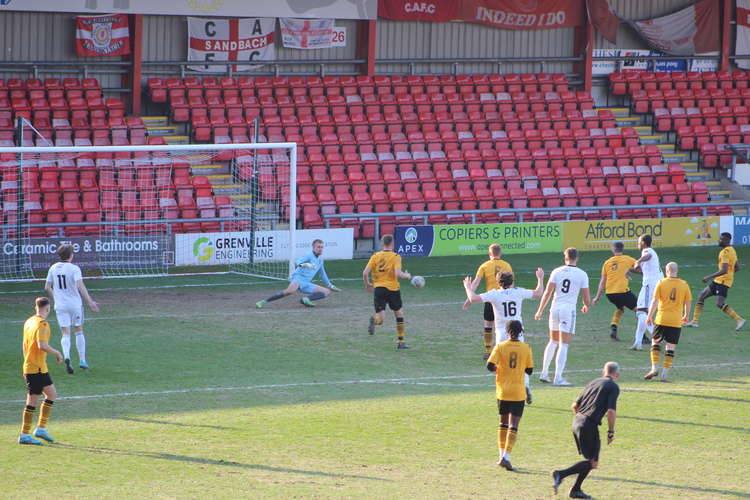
x=545 y=300
x=539 y=290
x=471 y=294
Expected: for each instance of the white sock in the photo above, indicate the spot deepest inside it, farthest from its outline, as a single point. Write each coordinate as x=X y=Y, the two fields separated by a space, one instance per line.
x=81 y=346
x=562 y=357
x=641 y=317
x=549 y=353
x=65 y=342
x=506 y=455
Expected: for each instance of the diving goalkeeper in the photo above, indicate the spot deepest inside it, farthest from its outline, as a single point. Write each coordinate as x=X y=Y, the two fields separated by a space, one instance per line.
x=305 y=269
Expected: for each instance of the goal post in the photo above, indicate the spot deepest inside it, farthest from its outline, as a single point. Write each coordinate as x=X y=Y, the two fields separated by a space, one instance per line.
x=141 y=210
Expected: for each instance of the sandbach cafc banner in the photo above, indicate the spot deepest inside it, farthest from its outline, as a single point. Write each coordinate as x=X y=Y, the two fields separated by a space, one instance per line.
x=306 y=33
x=102 y=35
x=249 y=39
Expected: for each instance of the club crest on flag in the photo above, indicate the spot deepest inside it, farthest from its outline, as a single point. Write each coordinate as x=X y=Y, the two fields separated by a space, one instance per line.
x=101 y=35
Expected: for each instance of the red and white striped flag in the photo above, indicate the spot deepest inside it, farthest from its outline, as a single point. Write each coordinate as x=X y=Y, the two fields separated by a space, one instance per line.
x=102 y=35
x=689 y=31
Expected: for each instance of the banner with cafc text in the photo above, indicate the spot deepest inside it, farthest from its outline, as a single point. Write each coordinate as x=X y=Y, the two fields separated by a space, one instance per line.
x=209 y=249
x=306 y=33
x=675 y=232
x=127 y=252
x=475 y=239
x=211 y=39
x=102 y=35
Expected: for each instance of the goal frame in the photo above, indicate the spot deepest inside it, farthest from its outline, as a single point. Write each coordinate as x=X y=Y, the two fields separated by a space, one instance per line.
x=20 y=151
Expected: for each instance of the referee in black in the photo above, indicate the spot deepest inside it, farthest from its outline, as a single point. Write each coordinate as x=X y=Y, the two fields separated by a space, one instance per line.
x=598 y=398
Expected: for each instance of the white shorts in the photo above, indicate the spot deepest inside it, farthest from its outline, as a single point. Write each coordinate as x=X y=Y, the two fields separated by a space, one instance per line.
x=563 y=319
x=646 y=294
x=69 y=316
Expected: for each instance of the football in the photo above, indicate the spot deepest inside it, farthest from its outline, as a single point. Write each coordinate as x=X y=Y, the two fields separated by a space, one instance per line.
x=418 y=282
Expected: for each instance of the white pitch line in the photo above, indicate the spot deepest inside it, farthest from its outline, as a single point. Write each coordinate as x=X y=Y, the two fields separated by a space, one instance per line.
x=333 y=382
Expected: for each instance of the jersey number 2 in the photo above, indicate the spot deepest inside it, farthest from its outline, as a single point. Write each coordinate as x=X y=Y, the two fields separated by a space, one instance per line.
x=61 y=282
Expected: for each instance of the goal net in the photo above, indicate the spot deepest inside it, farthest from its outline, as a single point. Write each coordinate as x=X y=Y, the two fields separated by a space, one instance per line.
x=144 y=210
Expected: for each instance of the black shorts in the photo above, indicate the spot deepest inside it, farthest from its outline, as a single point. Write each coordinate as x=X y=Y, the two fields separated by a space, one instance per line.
x=718 y=289
x=35 y=382
x=623 y=300
x=515 y=408
x=669 y=334
x=489 y=312
x=391 y=298
x=586 y=434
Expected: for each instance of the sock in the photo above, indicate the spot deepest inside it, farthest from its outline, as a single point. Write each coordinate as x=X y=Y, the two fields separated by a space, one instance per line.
x=581 y=476
x=377 y=320
x=81 y=346
x=400 y=330
x=502 y=436
x=275 y=296
x=576 y=468
x=510 y=441
x=549 y=353
x=697 y=312
x=28 y=417
x=44 y=413
x=668 y=358
x=655 y=354
x=316 y=296
x=617 y=316
x=65 y=343
x=730 y=312
x=488 y=339
x=562 y=357
x=640 y=328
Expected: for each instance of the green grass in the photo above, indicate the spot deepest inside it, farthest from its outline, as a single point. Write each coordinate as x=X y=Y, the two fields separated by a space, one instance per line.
x=195 y=393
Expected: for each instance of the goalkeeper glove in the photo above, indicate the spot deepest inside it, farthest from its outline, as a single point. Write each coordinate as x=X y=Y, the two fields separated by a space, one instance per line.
x=307 y=265
x=335 y=288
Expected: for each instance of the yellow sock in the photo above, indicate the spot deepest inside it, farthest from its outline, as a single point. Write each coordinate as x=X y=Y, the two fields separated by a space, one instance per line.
x=697 y=312
x=502 y=435
x=28 y=417
x=510 y=441
x=400 y=327
x=377 y=320
x=655 y=355
x=730 y=312
x=617 y=316
x=668 y=358
x=488 y=340
x=44 y=413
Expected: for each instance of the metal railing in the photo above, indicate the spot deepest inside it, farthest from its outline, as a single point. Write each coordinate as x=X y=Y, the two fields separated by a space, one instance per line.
x=275 y=65
x=519 y=212
x=499 y=62
x=79 y=69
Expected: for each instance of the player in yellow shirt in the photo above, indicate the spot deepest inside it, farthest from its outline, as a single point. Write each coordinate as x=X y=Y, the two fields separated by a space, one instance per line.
x=488 y=272
x=35 y=348
x=721 y=282
x=385 y=267
x=614 y=281
x=671 y=305
x=511 y=361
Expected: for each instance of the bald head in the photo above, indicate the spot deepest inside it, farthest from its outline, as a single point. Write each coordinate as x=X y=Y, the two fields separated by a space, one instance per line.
x=671 y=269
x=611 y=369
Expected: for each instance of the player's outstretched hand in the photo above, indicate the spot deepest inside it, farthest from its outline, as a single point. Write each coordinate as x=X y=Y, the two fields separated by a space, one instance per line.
x=94 y=306
x=584 y=309
x=594 y=301
x=467 y=303
x=334 y=288
x=467 y=282
x=705 y=279
x=539 y=273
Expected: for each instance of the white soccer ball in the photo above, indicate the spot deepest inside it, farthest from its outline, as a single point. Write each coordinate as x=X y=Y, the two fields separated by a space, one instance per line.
x=418 y=282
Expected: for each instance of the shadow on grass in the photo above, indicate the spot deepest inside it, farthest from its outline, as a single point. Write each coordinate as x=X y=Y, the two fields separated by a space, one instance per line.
x=176 y=424
x=209 y=461
x=661 y=420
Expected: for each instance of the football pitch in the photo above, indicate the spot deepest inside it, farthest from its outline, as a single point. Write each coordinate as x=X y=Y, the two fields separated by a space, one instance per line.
x=195 y=393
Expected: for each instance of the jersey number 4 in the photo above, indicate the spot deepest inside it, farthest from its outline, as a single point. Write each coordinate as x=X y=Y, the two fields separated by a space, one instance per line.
x=62 y=282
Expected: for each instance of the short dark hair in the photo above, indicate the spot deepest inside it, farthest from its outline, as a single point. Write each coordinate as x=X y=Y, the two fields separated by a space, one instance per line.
x=505 y=279
x=646 y=239
x=41 y=302
x=387 y=240
x=618 y=245
x=514 y=328
x=64 y=251
x=571 y=253
x=727 y=236
x=316 y=241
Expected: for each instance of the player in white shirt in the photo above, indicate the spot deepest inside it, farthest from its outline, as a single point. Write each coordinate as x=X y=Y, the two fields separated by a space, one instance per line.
x=506 y=304
x=565 y=282
x=648 y=266
x=65 y=286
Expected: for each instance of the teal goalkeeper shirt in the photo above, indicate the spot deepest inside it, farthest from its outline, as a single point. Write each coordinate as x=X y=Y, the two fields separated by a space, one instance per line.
x=306 y=275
